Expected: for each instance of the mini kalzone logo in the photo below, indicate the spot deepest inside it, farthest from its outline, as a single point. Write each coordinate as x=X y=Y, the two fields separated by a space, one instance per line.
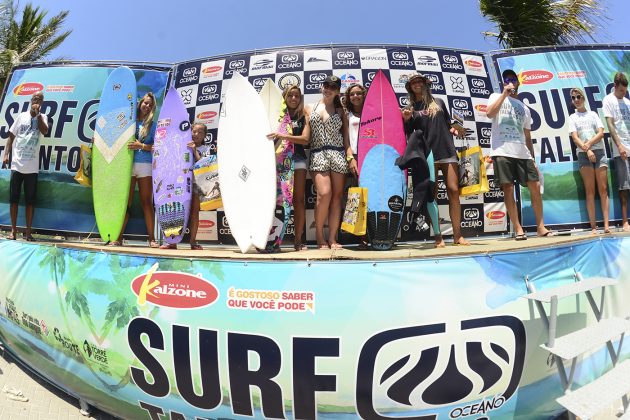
x=472 y=367
x=173 y=289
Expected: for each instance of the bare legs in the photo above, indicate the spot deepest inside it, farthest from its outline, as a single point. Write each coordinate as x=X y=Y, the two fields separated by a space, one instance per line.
x=451 y=176
x=299 y=210
x=146 y=200
x=329 y=187
x=591 y=177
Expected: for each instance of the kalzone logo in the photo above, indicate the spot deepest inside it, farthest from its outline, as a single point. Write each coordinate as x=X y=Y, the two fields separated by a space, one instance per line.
x=400 y=58
x=495 y=215
x=206 y=115
x=27 y=88
x=173 y=289
x=473 y=64
x=534 y=77
x=371 y=75
x=409 y=369
x=209 y=93
x=289 y=61
x=481 y=108
x=432 y=78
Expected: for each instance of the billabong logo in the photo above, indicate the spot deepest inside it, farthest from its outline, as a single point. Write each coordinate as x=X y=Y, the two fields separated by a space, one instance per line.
x=27 y=88
x=533 y=77
x=460 y=104
x=495 y=214
x=317 y=77
x=190 y=71
x=421 y=368
x=237 y=64
x=206 y=115
x=173 y=289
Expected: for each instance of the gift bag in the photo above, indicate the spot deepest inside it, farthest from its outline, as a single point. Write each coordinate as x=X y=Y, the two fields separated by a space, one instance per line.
x=354 y=218
x=84 y=174
x=472 y=172
x=206 y=175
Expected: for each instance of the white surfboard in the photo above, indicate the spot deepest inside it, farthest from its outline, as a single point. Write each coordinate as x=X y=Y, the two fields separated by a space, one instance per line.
x=271 y=96
x=247 y=165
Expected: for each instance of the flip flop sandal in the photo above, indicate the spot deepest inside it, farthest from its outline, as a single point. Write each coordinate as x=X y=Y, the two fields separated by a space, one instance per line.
x=549 y=234
x=196 y=247
x=11 y=237
x=168 y=246
x=113 y=243
x=153 y=244
x=520 y=237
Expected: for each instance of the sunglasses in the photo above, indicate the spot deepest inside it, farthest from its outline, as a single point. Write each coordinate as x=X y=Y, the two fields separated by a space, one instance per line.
x=510 y=80
x=576 y=97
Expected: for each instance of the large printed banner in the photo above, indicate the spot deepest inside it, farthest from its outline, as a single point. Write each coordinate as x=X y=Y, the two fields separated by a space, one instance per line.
x=141 y=336
x=460 y=78
x=547 y=79
x=71 y=98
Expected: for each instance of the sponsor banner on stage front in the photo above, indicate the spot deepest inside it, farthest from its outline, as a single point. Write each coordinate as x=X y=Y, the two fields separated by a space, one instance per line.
x=142 y=337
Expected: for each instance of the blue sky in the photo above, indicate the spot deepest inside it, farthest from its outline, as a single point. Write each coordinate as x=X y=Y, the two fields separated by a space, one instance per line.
x=140 y=30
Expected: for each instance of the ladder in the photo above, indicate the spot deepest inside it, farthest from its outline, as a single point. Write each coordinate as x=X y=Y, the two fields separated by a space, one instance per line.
x=592 y=398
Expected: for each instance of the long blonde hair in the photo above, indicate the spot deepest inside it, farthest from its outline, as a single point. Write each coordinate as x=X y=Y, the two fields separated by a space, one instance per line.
x=299 y=111
x=429 y=101
x=148 y=119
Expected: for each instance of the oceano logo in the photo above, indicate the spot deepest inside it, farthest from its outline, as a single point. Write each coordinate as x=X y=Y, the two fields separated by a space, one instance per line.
x=422 y=365
x=460 y=103
x=450 y=59
x=236 y=64
x=345 y=55
x=317 y=77
x=258 y=82
x=397 y=55
x=432 y=78
x=486 y=131
x=209 y=89
x=289 y=58
x=471 y=214
x=478 y=83
x=191 y=71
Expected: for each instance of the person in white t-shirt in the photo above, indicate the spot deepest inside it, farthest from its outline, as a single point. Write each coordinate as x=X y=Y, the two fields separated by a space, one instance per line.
x=512 y=152
x=587 y=132
x=22 y=150
x=617 y=112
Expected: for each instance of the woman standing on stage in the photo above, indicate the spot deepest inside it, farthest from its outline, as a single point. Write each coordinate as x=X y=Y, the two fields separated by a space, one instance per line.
x=587 y=132
x=430 y=116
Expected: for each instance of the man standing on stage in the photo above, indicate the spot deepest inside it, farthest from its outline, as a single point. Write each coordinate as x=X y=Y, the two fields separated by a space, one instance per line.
x=513 y=152
x=22 y=150
x=617 y=112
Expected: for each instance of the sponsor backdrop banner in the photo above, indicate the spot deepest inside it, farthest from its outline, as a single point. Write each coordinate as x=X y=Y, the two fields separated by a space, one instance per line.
x=71 y=98
x=141 y=336
x=547 y=77
x=460 y=78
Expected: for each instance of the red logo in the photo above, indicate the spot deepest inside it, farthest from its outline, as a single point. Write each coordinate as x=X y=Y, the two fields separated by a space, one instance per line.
x=173 y=290
x=210 y=70
x=27 y=88
x=207 y=115
x=206 y=224
x=369 y=132
x=533 y=77
x=496 y=214
x=481 y=108
x=471 y=62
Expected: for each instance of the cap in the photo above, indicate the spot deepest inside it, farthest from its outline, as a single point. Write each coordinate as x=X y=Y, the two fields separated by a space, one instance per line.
x=333 y=80
x=415 y=76
x=508 y=72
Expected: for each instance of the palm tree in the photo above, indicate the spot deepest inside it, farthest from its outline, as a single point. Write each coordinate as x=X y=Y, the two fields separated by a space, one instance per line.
x=528 y=23
x=30 y=39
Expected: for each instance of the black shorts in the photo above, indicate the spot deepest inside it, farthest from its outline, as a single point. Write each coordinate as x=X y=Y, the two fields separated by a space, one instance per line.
x=509 y=169
x=30 y=187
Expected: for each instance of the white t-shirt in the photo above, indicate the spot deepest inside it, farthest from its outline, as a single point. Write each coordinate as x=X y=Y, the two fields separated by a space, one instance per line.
x=25 y=149
x=508 y=137
x=587 y=124
x=353 y=131
x=619 y=111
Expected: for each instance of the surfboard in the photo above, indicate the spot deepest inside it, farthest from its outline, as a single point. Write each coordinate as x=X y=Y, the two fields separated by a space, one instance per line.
x=280 y=121
x=381 y=141
x=173 y=163
x=111 y=159
x=247 y=165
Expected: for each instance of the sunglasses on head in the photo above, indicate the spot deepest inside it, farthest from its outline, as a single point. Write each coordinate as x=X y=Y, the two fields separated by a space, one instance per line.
x=510 y=80
x=576 y=97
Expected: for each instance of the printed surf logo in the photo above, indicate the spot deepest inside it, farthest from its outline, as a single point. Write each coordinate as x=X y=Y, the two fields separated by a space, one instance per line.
x=27 y=88
x=479 y=87
x=173 y=289
x=481 y=108
x=473 y=63
x=346 y=58
x=534 y=77
x=209 y=93
x=472 y=218
x=317 y=77
x=457 y=84
x=289 y=79
x=473 y=367
x=189 y=75
x=289 y=61
x=460 y=104
x=426 y=60
x=451 y=62
x=495 y=214
x=211 y=71
x=206 y=115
